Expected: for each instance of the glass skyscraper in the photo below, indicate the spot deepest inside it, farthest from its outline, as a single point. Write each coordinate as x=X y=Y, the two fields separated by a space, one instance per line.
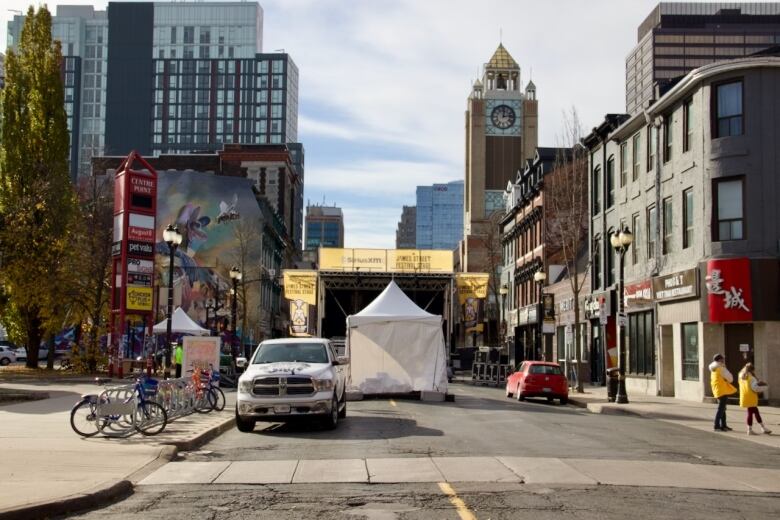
x=439 y=216
x=170 y=77
x=324 y=227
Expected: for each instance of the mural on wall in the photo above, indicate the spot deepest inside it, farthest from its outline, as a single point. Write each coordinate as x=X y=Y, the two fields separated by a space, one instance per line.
x=207 y=210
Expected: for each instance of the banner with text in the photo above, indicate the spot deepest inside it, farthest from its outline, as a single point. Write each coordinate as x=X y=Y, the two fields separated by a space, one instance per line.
x=386 y=260
x=472 y=291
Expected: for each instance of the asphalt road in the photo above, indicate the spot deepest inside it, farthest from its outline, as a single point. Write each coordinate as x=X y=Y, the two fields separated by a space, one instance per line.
x=481 y=422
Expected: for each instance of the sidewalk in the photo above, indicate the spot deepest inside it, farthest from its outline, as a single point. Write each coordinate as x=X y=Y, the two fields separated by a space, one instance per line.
x=47 y=469
x=699 y=416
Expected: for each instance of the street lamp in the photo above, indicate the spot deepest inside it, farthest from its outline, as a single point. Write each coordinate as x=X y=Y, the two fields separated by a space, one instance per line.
x=503 y=290
x=621 y=241
x=539 y=278
x=210 y=306
x=235 y=275
x=173 y=238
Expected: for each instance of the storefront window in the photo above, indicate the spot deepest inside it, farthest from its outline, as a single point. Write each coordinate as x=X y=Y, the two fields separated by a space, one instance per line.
x=690 y=351
x=560 y=337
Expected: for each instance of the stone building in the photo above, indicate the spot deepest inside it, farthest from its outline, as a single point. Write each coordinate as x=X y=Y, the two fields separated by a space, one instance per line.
x=694 y=177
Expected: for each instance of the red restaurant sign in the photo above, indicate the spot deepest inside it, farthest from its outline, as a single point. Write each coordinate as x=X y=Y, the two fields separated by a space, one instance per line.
x=729 y=296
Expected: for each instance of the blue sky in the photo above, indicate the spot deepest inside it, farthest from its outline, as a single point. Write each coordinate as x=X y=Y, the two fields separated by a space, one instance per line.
x=383 y=85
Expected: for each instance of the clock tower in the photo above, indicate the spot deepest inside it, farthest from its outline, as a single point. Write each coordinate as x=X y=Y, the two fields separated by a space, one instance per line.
x=501 y=133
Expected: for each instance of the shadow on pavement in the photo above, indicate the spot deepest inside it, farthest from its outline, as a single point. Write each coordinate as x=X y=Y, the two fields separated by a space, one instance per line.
x=352 y=428
x=58 y=401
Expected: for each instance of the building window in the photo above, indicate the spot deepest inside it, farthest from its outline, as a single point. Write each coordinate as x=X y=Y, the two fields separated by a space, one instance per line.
x=729 y=209
x=651 y=137
x=560 y=336
x=687 y=125
x=596 y=263
x=596 y=190
x=728 y=109
x=668 y=137
x=623 y=164
x=667 y=238
x=690 y=351
x=610 y=254
x=688 y=218
x=641 y=347
x=610 y=182
x=635 y=152
x=636 y=228
x=652 y=228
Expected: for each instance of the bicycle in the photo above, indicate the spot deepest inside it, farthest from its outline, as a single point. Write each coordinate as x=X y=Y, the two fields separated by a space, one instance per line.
x=205 y=396
x=118 y=411
x=212 y=384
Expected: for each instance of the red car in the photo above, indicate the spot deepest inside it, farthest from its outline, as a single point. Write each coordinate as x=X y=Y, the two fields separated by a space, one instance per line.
x=538 y=379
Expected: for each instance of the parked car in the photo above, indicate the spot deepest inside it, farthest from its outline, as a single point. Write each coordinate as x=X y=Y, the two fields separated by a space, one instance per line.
x=43 y=353
x=7 y=355
x=538 y=379
x=292 y=378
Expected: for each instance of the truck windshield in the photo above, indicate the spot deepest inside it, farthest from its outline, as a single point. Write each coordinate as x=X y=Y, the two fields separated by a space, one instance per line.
x=291 y=352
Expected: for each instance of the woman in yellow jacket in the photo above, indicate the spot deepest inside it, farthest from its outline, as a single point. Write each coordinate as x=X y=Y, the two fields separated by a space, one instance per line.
x=749 y=387
x=720 y=381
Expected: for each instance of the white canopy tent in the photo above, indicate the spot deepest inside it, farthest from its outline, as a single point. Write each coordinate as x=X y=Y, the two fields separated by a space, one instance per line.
x=396 y=347
x=181 y=324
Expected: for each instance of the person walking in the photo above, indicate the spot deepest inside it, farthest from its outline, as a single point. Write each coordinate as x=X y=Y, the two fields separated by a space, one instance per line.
x=749 y=388
x=178 y=354
x=720 y=381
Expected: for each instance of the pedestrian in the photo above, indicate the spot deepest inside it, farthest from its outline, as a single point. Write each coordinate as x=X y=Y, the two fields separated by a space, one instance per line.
x=178 y=354
x=749 y=388
x=720 y=381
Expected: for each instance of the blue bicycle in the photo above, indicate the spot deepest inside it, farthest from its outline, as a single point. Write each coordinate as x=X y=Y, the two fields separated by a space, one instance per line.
x=119 y=411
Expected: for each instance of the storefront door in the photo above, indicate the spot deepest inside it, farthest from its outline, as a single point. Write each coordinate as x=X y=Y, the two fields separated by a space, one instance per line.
x=596 y=354
x=739 y=346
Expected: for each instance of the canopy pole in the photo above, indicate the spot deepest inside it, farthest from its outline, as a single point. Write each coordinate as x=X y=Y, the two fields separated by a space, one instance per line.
x=340 y=307
x=430 y=302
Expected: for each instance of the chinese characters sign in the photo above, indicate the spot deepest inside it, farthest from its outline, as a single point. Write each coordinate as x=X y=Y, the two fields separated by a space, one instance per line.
x=729 y=294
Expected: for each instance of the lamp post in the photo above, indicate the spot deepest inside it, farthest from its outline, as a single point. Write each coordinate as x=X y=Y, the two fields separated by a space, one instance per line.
x=210 y=306
x=621 y=241
x=539 y=278
x=503 y=290
x=235 y=276
x=173 y=238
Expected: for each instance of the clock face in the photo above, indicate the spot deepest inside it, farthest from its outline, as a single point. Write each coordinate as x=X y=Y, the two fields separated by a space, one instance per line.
x=503 y=116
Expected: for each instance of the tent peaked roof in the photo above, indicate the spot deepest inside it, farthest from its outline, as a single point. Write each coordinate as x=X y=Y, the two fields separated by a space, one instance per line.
x=392 y=302
x=180 y=324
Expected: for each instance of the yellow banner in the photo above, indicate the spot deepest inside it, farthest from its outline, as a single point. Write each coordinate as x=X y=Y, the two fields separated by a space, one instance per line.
x=471 y=285
x=139 y=298
x=386 y=260
x=301 y=285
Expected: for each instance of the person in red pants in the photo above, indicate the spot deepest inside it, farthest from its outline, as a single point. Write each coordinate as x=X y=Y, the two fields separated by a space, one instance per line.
x=749 y=388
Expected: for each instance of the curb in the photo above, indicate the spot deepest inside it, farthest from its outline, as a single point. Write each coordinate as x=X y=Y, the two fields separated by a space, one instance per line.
x=203 y=438
x=105 y=494
x=600 y=408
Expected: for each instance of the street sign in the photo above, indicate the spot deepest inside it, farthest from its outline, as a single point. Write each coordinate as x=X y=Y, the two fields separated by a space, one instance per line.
x=622 y=320
x=603 y=317
x=568 y=335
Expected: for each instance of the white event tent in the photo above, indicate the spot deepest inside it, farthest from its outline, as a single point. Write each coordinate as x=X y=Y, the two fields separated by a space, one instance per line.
x=180 y=324
x=396 y=347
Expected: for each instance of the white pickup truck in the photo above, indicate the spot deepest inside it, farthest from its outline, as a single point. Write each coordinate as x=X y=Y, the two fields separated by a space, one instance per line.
x=292 y=378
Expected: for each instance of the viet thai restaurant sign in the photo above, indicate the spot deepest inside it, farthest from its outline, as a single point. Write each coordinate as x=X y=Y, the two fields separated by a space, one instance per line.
x=676 y=286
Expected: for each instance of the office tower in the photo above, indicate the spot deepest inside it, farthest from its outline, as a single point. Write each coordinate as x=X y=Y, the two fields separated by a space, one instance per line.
x=324 y=227
x=170 y=77
x=439 y=216
x=676 y=38
x=405 y=235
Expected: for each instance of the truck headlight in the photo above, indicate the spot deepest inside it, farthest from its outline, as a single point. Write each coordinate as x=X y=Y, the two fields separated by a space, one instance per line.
x=321 y=385
x=245 y=386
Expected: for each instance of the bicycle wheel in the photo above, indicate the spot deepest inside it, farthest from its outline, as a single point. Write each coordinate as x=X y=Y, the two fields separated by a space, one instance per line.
x=220 y=398
x=83 y=418
x=207 y=401
x=151 y=418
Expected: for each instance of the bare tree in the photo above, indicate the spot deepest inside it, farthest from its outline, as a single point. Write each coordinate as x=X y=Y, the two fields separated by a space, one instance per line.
x=566 y=194
x=247 y=257
x=494 y=262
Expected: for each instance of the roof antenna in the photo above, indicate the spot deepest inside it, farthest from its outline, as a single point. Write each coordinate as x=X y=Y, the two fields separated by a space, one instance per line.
x=500 y=35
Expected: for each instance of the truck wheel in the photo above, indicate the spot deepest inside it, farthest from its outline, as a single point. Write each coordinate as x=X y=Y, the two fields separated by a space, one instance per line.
x=244 y=425
x=332 y=420
x=343 y=413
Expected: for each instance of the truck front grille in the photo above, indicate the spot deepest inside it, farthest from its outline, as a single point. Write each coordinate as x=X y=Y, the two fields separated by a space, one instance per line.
x=282 y=386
